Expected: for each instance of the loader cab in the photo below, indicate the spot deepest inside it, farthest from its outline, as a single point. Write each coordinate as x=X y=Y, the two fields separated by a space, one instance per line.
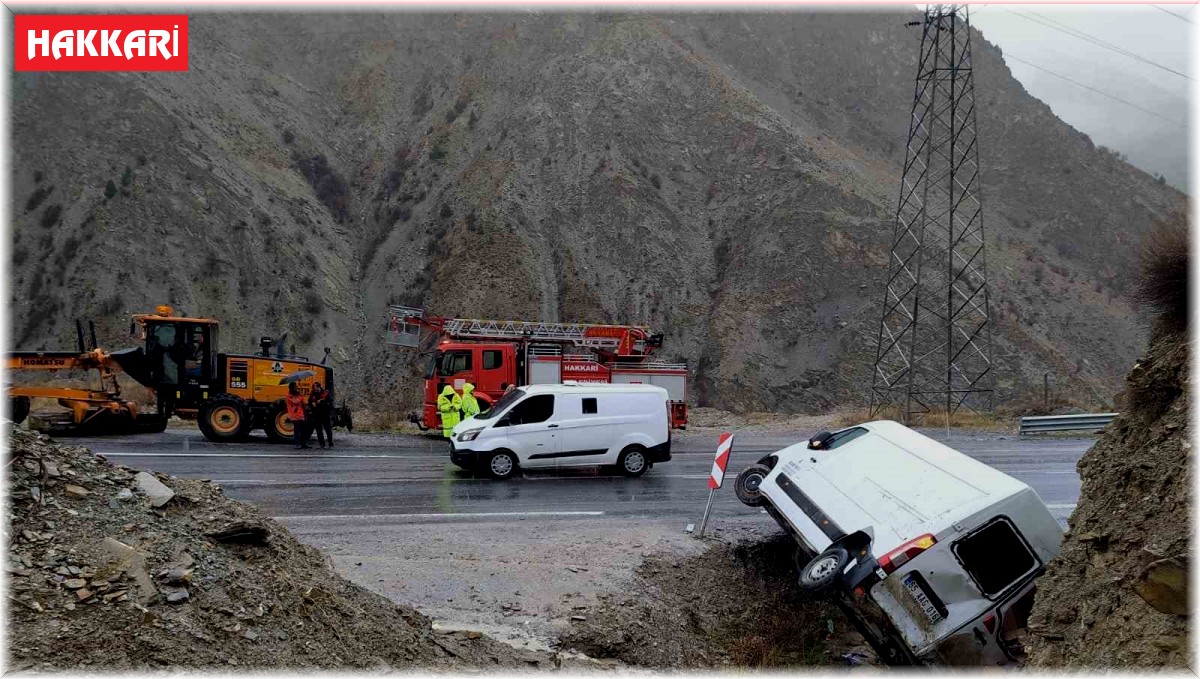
x=180 y=357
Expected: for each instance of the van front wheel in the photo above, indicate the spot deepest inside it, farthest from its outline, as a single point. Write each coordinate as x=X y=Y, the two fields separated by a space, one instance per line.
x=633 y=461
x=501 y=465
x=823 y=573
x=747 y=484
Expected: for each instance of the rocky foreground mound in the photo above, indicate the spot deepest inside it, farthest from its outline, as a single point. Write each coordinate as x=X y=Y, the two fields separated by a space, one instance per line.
x=1117 y=594
x=110 y=569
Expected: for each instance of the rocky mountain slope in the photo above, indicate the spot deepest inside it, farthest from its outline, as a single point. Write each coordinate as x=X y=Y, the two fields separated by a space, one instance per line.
x=728 y=179
x=1116 y=596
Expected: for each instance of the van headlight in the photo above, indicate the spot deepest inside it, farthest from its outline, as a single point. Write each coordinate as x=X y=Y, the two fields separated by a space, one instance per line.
x=470 y=434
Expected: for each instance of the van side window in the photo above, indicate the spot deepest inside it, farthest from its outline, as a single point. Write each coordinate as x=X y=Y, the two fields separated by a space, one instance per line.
x=589 y=406
x=995 y=556
x=844 y=437
x=532 y=410
x=492 y=359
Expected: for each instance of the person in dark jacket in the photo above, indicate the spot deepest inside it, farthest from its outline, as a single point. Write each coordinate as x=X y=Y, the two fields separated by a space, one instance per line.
x=321 y=405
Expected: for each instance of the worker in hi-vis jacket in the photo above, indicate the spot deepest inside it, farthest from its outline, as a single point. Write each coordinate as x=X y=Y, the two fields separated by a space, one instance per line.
x=470 y=405
x=449 y=403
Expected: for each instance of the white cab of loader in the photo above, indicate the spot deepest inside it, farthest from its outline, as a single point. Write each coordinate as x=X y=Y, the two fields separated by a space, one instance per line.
x=931 y=553
x=567 y=425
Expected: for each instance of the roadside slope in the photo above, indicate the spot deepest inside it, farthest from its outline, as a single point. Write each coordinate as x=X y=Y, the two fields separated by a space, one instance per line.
x=99 y=578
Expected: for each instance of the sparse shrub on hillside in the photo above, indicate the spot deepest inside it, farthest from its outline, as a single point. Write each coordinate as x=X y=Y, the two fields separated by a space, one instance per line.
x=288 y=136
x=69 y=248
x=473 y=120
x=51 y=215
x=312 y=303
x=127 y=176
x=656 y=181
x=328 y=185
x=38 y=176
x=710 y=193
x=307 y=282
x=141 y=160
x=423 y=101
x=460 y=104
x=19 y=256
x=451 y=115
x=35 y=199
x=1162 y=278
x=446 y=212
x=437 y=153
x=110 y=189
x=1067 y=249
x=111 y=306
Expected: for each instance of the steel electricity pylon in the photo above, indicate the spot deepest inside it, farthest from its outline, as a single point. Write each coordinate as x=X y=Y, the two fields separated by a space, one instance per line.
x=934 y=348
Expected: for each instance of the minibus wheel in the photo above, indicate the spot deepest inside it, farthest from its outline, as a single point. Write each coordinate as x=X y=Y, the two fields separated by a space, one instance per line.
x=823 y=573
x=747 y=483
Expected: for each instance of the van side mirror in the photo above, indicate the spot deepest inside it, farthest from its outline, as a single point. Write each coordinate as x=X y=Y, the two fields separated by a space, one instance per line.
x=820 y=441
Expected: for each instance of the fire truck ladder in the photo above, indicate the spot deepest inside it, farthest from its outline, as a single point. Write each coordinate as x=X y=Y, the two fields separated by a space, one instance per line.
x=575 y=334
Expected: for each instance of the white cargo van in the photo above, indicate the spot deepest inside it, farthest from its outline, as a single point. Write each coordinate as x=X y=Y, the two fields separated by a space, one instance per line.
x=567 y=425
x=931 y=554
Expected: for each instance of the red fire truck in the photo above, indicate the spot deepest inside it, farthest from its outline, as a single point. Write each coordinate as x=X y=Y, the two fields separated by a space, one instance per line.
x=492 y=355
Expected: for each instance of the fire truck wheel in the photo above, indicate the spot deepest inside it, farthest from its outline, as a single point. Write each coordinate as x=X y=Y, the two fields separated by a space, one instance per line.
x=747 y=483
x=501 y=465
x=633 y=461
x=223 y=418
x=823 y=573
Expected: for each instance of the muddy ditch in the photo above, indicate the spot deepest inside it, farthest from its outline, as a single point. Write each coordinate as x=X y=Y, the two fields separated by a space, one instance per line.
x=734 y=605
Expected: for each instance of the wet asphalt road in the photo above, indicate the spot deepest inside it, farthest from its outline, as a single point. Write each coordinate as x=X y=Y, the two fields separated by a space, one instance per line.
x=397 y=478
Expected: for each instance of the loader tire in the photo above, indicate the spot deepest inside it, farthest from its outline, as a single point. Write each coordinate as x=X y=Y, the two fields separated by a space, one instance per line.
x=18 y=408
x=224 y=418
x=278 y=427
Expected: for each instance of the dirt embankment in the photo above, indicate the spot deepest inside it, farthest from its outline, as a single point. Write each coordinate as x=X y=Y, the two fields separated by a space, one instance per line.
x=733 y=605
x=99 y=577
x=1117 y=594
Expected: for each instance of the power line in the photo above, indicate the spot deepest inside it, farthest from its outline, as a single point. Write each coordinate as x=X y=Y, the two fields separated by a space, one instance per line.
x=1177 y=16
x=1093 y=89
x=1076 y=33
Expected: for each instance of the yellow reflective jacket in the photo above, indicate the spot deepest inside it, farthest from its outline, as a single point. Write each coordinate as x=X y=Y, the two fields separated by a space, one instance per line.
x=470 y=405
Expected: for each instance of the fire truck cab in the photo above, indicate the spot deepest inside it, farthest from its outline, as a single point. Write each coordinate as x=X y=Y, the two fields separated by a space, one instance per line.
x=494 y=355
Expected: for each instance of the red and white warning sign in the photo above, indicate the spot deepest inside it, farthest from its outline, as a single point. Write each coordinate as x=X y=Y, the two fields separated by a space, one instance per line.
x=724 y=445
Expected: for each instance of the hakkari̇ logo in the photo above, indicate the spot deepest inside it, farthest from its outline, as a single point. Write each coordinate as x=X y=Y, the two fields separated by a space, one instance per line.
x=100 y=42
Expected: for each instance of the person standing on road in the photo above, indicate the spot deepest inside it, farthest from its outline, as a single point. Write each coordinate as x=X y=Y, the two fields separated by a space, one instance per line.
x=470 y=405
x=295 y=411
x=449 y=404
x=319 y=402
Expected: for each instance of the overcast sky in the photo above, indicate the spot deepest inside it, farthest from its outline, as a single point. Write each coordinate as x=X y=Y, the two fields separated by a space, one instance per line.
x=1064 y=40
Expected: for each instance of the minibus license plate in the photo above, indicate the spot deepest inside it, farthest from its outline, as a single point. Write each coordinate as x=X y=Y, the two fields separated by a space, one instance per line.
x=918 y=595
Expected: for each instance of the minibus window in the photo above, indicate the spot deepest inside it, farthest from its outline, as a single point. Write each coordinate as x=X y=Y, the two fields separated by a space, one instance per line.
x=843 y=437
x=589 y=406
x=995 y=556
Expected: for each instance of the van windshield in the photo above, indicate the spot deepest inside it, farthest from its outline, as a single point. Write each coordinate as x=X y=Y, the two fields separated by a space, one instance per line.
x=500 y=405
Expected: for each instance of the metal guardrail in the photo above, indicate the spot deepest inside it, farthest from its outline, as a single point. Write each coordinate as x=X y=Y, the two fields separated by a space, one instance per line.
x=1055 y=423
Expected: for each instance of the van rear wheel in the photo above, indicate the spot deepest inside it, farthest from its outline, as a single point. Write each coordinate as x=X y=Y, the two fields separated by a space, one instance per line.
x=822 y=575
x=747 y=484
x=633 y=461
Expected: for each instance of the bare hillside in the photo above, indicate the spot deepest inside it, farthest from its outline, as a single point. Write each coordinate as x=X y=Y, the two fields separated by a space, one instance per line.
x=728 y=179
